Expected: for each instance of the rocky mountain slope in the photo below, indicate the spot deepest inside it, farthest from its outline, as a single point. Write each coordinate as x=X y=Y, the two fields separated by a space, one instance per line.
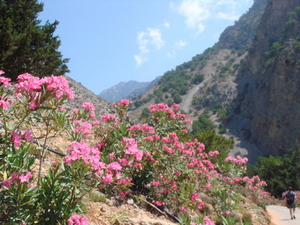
x=267 y=107
x=82 y=94
x=207 y=83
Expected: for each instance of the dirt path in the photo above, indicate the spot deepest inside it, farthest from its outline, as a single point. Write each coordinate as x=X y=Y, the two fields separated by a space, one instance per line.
x=187 y=99
x=280 y=215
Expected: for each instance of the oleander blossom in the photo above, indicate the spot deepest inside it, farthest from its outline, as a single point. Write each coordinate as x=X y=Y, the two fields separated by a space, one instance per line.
x=5 y=102
x=208 y=221
x=27 y=135
x=169 y=112
x=25 y=177
x=82 y=127
x=59 y=85
x=32 y=86
x=88 y=106
x=238 y=160
x=3 y=80
x=108 y=118
x=132 y=149
x=16 y=176
x=77 y=220
x=16 y=138
x=122 y=103
x=81 y=151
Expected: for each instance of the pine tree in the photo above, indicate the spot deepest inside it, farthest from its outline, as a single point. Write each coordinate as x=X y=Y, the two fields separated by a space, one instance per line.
x=25 y=45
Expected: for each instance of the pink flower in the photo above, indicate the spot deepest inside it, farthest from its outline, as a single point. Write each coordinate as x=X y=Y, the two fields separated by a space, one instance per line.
x=27 y=135
x=123 y=194
x=92 y=115
x=114 y=166
x=200 y=205
x=16 y=138
x=33 y=105
x=7 y=183
x=132 y=149
x=155 y=183
x=88 y=106
x=158 y=203
x=82 y=127
x=182 y=208
x=169 y=150
x=213 y=153
x=58 y=85
x=26 y=177
x=31 y=185
x=108 y=179
x=208 y=221
x=75 y=111
x=125 y=181
x=78 y=220
x=15 y=176
x=123 y=161
x=177 y=173
x=208 y=185
x=5 y=103
x=194 y=197
x=122 y=103
x=108 y=117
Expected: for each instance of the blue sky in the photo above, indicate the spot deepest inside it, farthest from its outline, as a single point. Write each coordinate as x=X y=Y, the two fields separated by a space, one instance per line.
x=109 y=41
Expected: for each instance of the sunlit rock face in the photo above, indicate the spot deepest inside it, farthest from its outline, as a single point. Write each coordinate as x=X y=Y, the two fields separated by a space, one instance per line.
x=267 y=109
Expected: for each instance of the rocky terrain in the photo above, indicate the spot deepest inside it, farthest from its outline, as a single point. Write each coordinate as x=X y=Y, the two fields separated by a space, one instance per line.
x=82 y=94
x=268 y=82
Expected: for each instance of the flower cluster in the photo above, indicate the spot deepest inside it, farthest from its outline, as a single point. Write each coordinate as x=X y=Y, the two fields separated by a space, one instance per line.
x=238 y=160
x=16 y=176
x=17 y=138
x=38 y=91
x=78 y=220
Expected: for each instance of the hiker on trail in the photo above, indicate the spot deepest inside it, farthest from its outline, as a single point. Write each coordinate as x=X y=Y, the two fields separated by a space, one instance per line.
x=290 y=201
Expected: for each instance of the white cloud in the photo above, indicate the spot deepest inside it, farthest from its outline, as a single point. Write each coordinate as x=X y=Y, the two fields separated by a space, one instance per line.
x=181 y=43
x=146 y=40
x=166 y=24
x=139 y=59
x=196 y=12
x=171 y=54
x=155 y=36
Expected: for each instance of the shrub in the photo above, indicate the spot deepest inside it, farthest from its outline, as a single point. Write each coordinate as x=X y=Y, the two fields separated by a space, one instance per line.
x=157 y=160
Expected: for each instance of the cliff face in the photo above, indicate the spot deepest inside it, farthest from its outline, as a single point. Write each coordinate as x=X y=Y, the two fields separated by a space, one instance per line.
x=240 y=35
x=267 y=109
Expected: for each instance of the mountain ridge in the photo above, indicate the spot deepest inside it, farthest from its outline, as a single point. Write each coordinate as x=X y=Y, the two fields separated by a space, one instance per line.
x=130 y=90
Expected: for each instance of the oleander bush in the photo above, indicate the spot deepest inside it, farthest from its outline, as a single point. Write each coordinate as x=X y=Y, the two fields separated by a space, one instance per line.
x=109 y=154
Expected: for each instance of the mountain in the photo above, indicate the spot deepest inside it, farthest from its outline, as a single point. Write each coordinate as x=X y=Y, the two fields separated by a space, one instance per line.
x=267 y=108
x=128 y=90
x=208 y=82
x=142 y=90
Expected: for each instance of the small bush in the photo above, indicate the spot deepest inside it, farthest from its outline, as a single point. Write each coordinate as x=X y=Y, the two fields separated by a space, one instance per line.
x=97 y=197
